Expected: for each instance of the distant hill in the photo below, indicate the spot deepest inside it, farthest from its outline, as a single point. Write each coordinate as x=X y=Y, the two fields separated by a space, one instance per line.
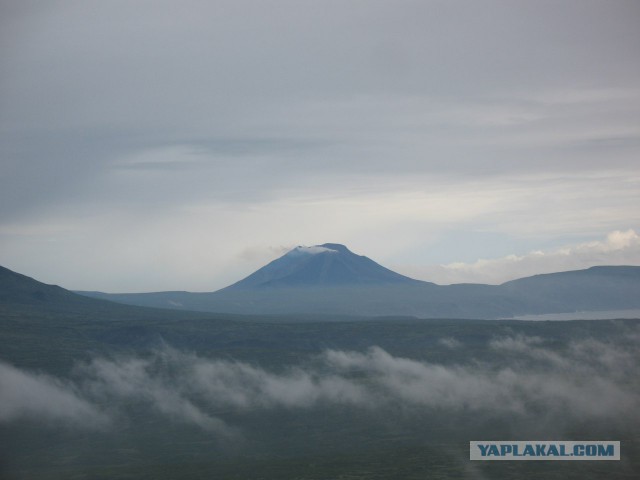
x=23 y=295
x=593 y=289
x=330 y=279
x=16 y=288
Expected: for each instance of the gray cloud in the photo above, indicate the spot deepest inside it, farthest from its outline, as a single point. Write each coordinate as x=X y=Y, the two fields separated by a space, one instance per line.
x=239 y=79
x=180 y=377
x=528 y=379
x=25 y=395
x=116 y=113
x=133 y=379
x=561 y=388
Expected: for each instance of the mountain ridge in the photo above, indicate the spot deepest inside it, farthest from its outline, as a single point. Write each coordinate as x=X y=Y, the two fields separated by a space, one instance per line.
x=329 y=279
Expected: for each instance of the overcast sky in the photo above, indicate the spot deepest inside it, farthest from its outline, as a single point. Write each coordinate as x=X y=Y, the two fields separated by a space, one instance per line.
x=162 y=145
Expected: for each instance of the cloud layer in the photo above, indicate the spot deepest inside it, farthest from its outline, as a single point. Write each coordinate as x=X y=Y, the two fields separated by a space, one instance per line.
x=38 y=397
x=586 y=380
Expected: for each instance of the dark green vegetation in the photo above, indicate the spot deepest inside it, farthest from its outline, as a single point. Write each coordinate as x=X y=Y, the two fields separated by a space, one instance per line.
x=280 y=407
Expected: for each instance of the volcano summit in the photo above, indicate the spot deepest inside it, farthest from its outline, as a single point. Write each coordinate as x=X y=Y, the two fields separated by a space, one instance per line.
x=330 y=264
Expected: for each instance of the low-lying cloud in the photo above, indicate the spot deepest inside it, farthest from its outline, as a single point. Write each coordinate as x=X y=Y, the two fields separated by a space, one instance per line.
x=586 y=380
x=45 y=398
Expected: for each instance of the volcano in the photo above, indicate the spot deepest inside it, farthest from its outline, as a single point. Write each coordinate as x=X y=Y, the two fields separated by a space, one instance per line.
x=327 y=265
